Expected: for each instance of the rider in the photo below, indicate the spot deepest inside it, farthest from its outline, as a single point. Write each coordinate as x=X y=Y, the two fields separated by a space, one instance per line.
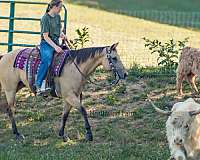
x=50 y=34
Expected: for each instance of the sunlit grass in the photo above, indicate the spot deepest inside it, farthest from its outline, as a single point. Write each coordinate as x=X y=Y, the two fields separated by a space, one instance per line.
x=138 y=135
x=105 y=28
x=132 y=130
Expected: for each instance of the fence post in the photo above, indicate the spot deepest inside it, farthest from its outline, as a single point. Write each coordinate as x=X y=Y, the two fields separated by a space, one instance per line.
x=11 y=25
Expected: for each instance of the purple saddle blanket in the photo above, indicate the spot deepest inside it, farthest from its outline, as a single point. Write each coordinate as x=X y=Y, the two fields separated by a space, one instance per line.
x=29 y=60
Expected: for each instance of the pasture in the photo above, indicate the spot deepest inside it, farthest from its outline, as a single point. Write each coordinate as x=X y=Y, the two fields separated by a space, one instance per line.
x=124 y=124
x=112 y=27
x=132 y=5
x=172 y=12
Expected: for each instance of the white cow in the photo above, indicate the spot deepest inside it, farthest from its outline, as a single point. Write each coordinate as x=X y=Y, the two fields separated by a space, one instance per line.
x=183 y=130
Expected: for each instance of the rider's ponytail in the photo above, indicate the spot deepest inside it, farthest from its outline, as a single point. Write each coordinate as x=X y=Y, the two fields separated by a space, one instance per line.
x=52 y=4
x=48 y=8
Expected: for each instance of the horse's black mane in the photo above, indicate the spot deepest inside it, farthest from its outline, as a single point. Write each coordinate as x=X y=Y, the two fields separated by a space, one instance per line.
x=82 y=55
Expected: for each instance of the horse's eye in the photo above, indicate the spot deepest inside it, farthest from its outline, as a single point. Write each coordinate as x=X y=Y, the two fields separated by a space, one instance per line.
x=114 y=58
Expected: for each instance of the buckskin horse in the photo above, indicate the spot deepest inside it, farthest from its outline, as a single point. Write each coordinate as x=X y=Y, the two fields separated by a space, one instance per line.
x=80 y=64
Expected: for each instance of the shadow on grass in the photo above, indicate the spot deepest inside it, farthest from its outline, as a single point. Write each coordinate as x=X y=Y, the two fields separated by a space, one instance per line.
x=137 y=136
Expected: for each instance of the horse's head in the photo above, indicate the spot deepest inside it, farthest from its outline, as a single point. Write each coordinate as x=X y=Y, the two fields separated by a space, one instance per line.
x=112 y=62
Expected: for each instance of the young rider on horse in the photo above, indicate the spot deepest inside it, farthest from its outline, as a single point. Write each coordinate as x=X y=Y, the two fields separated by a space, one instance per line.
x=50 y=34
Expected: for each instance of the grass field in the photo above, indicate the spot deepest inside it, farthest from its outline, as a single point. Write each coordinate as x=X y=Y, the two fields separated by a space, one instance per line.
x=130 y=133
x=174 y=12
x=105 y=28
x=124 y=124
x=133 y=5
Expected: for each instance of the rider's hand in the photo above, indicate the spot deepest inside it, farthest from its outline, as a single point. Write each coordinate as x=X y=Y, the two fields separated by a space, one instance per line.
x=63 y=36
x=58 y=49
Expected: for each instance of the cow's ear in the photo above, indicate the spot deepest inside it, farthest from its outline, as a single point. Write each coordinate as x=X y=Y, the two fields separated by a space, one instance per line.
x=194 y=113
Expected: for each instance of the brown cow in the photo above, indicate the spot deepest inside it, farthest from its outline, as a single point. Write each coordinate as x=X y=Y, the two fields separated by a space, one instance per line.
x=188 y=68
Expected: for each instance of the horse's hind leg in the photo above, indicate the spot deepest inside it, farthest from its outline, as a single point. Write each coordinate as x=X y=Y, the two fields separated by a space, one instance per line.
x=3 y=102
x=65 y=115
x=74 y=101
x=10 y=96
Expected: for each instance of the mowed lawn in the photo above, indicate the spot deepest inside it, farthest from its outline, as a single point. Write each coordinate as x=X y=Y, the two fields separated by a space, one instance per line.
x=133 y=5
x=105 y=28
x=124 y=125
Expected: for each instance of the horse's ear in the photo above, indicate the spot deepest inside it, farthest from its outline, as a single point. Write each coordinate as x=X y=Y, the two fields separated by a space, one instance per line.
x=114 y=46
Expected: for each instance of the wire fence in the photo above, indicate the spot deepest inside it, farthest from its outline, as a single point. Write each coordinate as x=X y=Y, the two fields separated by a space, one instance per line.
x=177 y=18
x=132 y=47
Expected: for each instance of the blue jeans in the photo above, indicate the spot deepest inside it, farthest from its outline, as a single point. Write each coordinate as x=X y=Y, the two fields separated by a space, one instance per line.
x=46 y=54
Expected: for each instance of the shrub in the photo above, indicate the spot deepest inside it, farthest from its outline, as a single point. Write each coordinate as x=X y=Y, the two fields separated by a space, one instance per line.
x=83 y=37
x=167 y=51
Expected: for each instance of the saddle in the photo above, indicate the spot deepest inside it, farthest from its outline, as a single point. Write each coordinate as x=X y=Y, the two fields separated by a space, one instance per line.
x=29 y=60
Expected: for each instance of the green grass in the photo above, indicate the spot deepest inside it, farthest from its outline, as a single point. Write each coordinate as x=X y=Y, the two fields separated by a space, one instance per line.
x=132 y=5
x=105 y=28
x=138 y=135
x=173 y=12
x=132 y=130
x=125 y=126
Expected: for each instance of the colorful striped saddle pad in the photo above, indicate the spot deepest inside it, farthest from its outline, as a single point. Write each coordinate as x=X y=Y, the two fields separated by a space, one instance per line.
x=29 y=60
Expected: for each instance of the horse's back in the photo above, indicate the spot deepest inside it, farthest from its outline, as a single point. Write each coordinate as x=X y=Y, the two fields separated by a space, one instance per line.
x=8 y=74
x=7 y=61
x=8 y=58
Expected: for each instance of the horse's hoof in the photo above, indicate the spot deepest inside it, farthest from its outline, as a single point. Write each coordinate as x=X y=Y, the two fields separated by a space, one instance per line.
x=88 y=136
x=20 y=137
x=65 y=138
x=171 y=158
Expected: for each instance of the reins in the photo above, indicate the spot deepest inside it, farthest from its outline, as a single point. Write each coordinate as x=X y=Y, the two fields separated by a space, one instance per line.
x=89 y=80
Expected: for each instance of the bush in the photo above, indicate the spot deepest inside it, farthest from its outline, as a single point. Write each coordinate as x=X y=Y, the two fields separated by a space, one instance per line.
x=167 y=52
x=83 y=37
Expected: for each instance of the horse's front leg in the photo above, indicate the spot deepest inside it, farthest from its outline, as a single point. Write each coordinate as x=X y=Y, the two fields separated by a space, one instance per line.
x=65 y=115
x=88 y=134
x=74 y=101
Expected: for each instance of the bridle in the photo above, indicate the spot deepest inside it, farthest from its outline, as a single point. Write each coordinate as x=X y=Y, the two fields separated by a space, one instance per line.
x=112 y=66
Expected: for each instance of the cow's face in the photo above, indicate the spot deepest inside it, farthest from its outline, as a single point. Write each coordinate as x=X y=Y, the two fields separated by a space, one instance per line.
x=180 y=122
